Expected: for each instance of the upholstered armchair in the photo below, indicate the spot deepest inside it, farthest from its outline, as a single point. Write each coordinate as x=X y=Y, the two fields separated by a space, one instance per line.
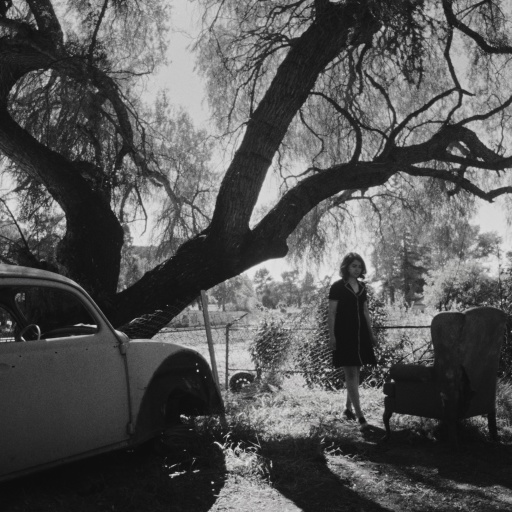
x=462 y=381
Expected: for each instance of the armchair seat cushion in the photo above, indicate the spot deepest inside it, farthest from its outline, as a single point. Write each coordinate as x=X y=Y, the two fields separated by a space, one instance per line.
x=411 y=373
x=416 y=398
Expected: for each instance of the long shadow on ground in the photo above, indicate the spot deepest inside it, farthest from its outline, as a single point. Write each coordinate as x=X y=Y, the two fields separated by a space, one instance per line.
x=478 y=472
x=300 y=472
x=323 y=473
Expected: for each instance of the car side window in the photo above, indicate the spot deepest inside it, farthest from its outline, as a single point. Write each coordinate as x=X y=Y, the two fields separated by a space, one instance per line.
x=58 y=313
x=7 y=326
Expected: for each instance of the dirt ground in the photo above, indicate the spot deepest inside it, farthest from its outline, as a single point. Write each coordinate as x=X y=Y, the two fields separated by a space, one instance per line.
x=411 y=472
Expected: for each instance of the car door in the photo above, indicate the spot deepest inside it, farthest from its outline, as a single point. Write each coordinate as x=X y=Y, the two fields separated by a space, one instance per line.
x=62 y=395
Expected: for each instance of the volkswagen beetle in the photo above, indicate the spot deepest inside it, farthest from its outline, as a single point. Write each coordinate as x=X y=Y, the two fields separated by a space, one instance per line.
x=71 y=386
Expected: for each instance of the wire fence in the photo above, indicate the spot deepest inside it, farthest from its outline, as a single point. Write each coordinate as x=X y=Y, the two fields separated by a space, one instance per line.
x=272 y=346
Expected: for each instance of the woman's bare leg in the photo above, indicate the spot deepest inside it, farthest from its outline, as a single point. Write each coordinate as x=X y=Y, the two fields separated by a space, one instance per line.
x=352 y=384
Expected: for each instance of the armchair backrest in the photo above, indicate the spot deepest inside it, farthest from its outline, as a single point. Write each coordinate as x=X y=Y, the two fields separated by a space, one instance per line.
x=466 y=356
x=482 y=337
x=446 y=331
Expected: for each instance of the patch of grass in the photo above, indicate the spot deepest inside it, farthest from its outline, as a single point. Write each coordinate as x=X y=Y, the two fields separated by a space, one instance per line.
x=295 y=414
x=291 y=438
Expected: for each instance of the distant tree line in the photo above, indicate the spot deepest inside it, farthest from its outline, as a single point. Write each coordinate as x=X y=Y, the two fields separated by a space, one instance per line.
x=417 y=246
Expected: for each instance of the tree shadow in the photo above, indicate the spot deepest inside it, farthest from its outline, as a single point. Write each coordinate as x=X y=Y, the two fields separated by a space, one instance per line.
x=138 y=481
x=466 y=471
x=299 y=471
x=452 y=461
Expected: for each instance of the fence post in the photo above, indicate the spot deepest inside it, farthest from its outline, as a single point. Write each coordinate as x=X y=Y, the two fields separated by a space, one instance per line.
x=227 y=356
x=208 y=329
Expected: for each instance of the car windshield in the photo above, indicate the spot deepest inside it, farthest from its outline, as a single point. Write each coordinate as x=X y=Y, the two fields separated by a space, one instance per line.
x=53 y=310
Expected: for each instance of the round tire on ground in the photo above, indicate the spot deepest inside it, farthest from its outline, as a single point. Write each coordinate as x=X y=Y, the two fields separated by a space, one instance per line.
x=240 y=380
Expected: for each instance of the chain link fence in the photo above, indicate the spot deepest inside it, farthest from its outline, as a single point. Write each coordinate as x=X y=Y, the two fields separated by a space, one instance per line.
x=270 y=346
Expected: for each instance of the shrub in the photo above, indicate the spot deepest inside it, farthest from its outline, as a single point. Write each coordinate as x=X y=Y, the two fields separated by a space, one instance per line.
x=459 y=285
x=375 y=375
x=271 y=346
x=313 y=356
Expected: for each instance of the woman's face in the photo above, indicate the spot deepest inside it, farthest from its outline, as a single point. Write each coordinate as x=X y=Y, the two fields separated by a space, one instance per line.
x=355 y=269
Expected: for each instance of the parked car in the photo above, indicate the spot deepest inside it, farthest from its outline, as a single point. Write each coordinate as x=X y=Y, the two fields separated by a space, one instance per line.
x=71 y=386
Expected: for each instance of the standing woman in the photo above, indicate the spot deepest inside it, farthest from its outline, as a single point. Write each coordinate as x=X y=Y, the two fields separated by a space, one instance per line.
x=350 y=332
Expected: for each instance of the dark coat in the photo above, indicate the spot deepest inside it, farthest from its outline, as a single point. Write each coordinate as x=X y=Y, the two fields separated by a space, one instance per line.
x=353 y=342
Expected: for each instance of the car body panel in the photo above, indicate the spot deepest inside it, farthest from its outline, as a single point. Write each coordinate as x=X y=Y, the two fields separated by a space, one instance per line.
x=54 y=394
x=73 y=394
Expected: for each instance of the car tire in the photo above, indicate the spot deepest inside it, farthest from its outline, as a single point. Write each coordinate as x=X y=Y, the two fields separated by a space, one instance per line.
x=240 y=380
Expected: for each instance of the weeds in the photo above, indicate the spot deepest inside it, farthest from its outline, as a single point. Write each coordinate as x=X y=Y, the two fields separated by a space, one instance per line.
x=300 y=426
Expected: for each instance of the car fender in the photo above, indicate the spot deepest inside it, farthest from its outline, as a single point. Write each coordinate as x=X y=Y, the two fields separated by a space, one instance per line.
x=167 y=380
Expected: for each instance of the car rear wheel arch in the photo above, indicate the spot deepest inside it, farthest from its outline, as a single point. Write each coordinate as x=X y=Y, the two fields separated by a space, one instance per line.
x=182 y=385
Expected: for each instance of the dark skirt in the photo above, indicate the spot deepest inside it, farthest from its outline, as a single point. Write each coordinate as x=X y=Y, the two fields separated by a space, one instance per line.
x=354 y=349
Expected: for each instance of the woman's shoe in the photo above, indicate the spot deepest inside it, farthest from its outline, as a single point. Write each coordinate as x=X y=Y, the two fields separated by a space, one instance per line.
x=348 y=415
x=363 y=425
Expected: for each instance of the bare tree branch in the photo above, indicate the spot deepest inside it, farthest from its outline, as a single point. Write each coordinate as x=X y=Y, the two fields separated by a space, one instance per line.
x=346 y=114
x=479 y=39
x=96 y=30
x=460 y=181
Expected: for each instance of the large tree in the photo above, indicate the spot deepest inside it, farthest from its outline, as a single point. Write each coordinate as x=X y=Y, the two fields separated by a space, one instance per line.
x=358 y=90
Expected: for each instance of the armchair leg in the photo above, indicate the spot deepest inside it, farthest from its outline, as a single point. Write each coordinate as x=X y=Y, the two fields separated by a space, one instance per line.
x=385 y=418
x=493 y=429
x=450 y=422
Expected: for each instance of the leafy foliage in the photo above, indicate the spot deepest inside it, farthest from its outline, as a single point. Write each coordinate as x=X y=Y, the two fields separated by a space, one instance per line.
x=290 y=291
x=87 y=108
x=314 y=356
x=384 y=353
x=271 y=346
x=420 y=231
x=365 y=95
x=460 y=285
x=237 y=293
x=264 y=285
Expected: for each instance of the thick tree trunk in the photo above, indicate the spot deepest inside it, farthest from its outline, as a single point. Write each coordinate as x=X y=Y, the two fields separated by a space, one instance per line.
x=91 y=249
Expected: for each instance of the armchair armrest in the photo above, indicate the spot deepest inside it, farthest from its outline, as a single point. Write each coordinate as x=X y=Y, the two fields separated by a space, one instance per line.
x=411 y=373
